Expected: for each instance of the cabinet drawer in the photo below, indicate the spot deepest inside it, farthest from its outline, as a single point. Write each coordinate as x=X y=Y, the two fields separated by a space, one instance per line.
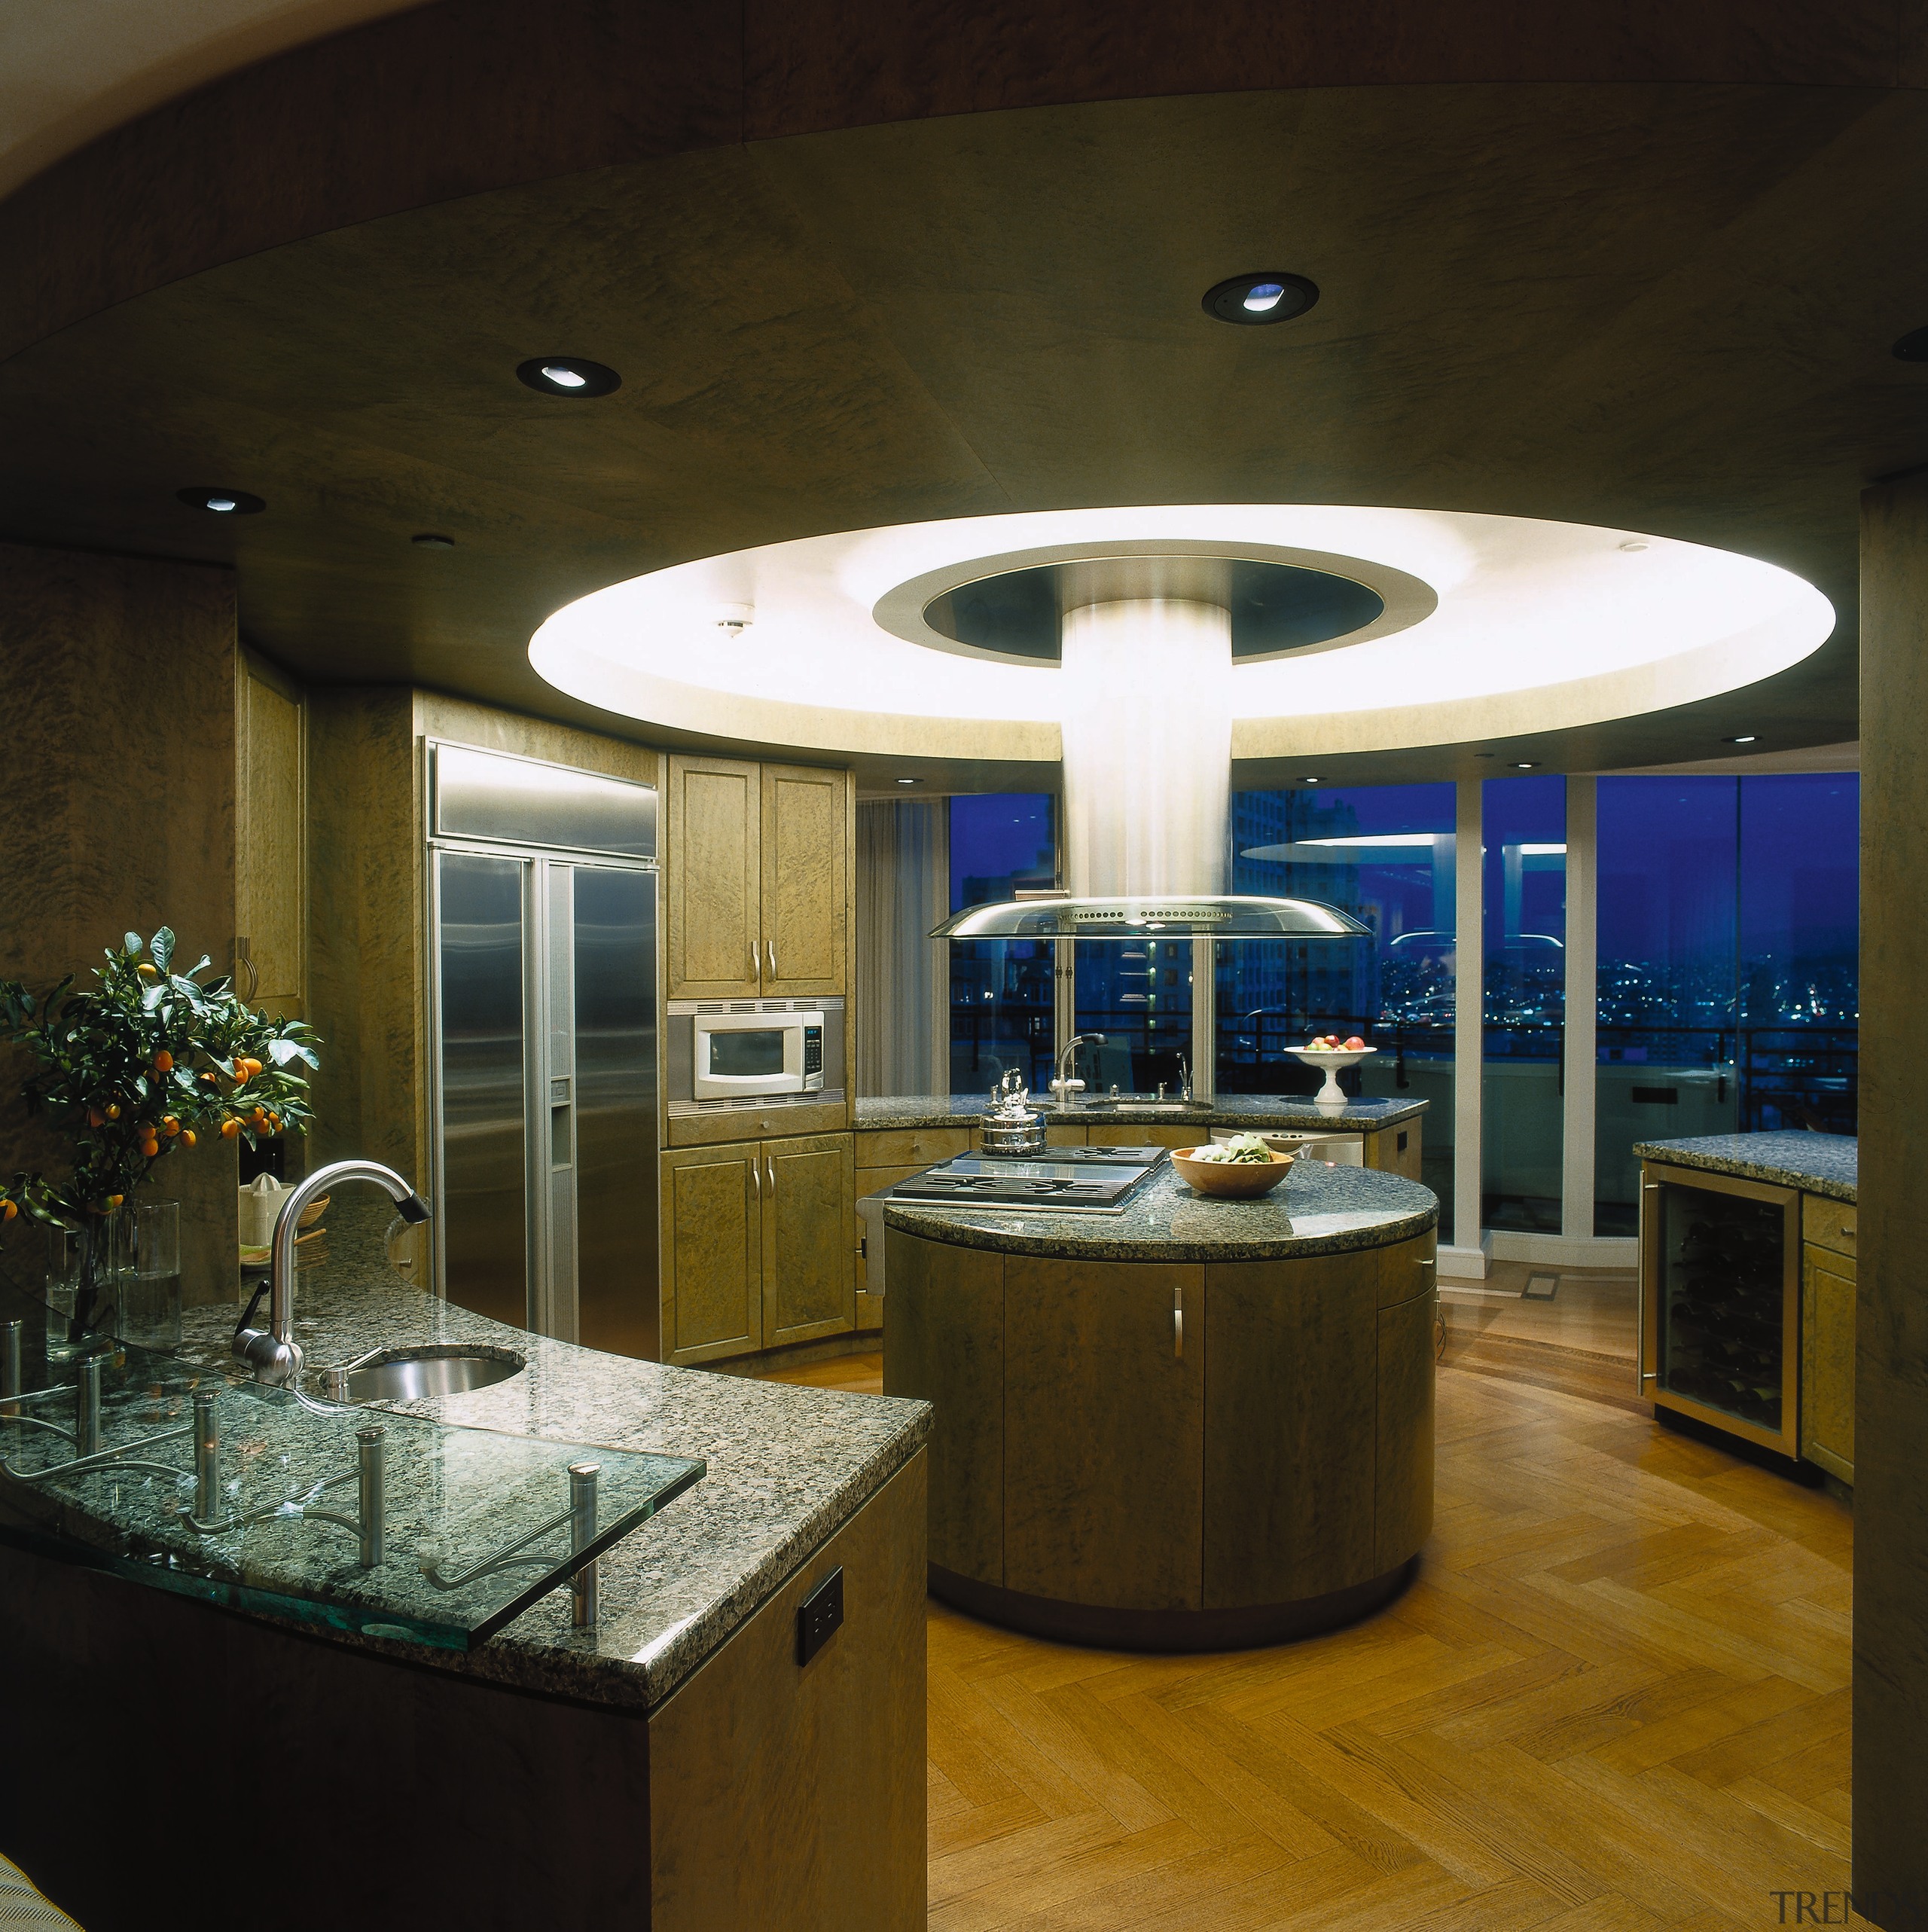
x=1827 y=1224
x=1150 y=1135
x=911 y=1147
x=1827 y=1359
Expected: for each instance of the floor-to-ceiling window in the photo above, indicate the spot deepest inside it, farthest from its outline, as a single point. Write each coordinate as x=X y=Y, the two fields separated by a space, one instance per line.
x=1385 y=854
x=1729 y=929
x=1002 y=1012
x=1799 y=950
x=1523 y=882
x=1665 y=1033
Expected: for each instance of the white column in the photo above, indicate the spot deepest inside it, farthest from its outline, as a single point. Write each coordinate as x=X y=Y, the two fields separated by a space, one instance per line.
x=1147 y=747
x=1466 y=1257
x=1576 y=1193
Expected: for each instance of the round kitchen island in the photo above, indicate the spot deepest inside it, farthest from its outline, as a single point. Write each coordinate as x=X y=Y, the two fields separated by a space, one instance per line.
x=1197 y=1425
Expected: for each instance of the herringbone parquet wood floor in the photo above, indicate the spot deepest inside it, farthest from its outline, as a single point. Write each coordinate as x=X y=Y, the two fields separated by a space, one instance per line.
x=1616 y=1698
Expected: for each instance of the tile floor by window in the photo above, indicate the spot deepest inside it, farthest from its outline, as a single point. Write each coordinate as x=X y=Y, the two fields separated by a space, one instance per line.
x=1615 y=1697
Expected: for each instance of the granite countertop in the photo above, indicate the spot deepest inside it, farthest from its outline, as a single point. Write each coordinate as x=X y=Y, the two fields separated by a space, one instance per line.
x=1817 y=1163
x=788 y=1467
x=1320 y=1208
x=1288 y=1110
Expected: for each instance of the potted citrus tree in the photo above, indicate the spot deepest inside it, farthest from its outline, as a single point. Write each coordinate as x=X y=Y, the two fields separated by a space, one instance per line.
x=136 y=1070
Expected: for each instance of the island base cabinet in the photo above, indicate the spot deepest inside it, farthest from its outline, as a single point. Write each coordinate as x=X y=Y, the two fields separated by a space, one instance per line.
x=1170 y=1456
x=794 y=1796
x=761 y=1793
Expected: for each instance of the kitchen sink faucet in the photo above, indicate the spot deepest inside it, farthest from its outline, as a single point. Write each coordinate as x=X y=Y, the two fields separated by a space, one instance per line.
x=273 y=1353
x=1064 y=1086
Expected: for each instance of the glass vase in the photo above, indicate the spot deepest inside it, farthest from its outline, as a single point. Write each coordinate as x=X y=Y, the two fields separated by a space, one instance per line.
x=83 y=1273
x=148 y=1288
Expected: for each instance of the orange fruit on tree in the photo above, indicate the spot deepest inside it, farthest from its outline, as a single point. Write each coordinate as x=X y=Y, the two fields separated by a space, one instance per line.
x=112 y=1110
x=163 y=1062
x=187 y=1136
x=7 y=1210
x=229 y=1128
x=96 y=1117
x=115 y=1200
x=170 y=1123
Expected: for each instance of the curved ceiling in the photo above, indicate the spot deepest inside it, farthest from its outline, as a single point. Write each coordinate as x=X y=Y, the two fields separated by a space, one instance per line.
x=71 y=70
x=1658 y=307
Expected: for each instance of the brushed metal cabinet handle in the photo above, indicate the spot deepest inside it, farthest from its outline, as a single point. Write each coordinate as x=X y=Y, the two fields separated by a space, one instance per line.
x=756 y=1180
x=1847 y=1230
x=769 y=1167
x=770 y=947
x=1178 y=1324
x=756 y=964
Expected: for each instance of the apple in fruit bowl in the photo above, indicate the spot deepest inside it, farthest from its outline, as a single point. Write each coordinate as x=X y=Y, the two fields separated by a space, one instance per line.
x=1355 y=1044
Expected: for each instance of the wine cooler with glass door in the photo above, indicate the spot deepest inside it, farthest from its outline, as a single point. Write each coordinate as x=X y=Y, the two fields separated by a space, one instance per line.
x=1720 y=1302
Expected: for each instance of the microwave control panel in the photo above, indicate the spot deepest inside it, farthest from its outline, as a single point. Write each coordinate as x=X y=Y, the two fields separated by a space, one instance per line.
x=813 y=1053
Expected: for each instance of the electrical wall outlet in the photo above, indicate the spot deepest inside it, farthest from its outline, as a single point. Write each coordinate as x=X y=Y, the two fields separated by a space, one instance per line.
x=819 y=1617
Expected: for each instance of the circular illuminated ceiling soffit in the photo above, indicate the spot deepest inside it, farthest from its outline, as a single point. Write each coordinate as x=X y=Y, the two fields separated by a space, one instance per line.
x=1354 y=629
x=1280 y=602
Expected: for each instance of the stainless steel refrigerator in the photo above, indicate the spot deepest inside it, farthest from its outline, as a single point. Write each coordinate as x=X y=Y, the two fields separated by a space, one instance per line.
x=542 y=890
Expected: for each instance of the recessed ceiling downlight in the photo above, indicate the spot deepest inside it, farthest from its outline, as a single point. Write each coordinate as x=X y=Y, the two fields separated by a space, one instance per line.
x=1269 y=295
x=568 y=375
x=222 y=502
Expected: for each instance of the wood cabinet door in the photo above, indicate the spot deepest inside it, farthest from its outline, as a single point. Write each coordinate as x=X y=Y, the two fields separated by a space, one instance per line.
x=1104 y=1417
x=271 y=898
x=1290 y=1427
x=806 y=857
x=809 y=1239
x=1827 y=1361
x=1404 y=1465
x=712 y=843
x=712 y=1253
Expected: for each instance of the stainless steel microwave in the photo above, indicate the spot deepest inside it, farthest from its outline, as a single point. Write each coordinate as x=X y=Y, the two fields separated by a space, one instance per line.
x=736 y=1055
x=753 y=1055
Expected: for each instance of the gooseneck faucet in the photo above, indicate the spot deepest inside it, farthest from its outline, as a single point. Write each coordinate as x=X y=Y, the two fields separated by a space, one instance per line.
x=1064 y=1086
x=273 y=1353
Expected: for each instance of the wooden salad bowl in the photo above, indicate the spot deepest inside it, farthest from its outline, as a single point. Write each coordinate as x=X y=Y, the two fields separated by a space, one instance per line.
x=1229 y=1180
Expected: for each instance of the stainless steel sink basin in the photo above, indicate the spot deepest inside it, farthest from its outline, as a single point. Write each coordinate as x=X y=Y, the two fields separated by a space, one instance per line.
x=1052 y=1111
x=411 y=1374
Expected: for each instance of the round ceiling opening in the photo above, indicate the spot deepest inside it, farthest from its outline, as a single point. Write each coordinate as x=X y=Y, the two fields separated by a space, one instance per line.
x=1275 y=608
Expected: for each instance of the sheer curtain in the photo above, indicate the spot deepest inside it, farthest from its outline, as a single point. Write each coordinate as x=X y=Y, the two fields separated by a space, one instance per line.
x=902 y=980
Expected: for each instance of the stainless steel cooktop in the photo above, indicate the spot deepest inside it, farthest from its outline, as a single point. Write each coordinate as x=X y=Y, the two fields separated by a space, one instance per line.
x=1088 y=1157
x=1058 y=1185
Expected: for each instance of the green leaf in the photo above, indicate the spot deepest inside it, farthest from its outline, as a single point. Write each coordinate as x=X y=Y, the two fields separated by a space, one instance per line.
x=163 y=947
x=131 y=942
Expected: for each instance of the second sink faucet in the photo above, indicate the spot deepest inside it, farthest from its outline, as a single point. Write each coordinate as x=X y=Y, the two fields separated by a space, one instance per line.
x=1064 y=1086
x=273 y=1353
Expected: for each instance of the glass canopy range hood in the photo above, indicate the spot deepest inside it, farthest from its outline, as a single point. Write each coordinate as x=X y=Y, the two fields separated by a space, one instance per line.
x=1224 y=916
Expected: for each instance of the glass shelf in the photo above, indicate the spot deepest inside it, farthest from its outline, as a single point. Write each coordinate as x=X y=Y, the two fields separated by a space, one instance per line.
x=475 y=1526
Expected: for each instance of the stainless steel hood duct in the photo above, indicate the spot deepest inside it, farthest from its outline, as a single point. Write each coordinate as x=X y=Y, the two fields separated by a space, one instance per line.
x=1146 y=675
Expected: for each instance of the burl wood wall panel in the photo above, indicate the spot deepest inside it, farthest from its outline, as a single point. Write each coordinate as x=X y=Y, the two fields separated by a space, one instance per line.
x=1891 y=1351
x=117 y=813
